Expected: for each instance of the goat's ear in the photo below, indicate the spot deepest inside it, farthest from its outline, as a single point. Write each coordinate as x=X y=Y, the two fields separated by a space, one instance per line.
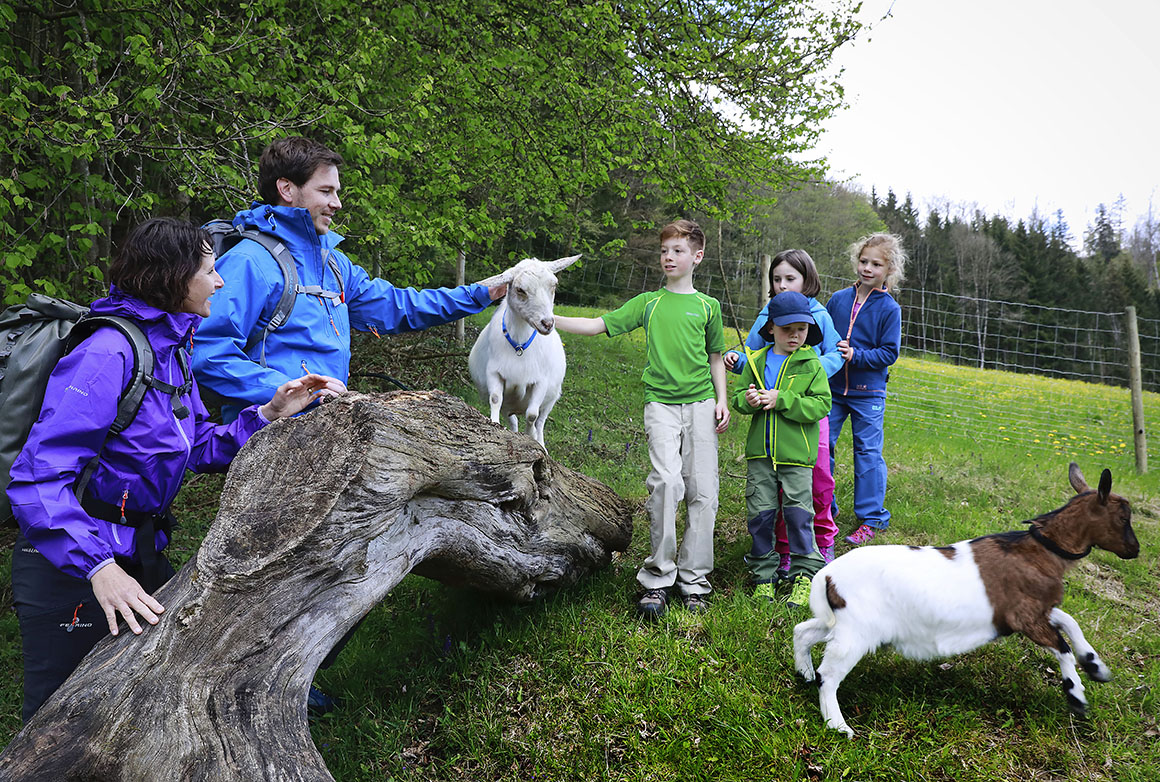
x=562 y=263
x=1105 y=486
x=503 y=278
x=1076 y=478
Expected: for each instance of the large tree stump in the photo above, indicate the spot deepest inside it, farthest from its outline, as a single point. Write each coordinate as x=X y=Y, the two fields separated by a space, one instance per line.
x=321 y=516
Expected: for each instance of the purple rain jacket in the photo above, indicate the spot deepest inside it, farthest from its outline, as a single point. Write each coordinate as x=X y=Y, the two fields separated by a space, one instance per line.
x=148 y=459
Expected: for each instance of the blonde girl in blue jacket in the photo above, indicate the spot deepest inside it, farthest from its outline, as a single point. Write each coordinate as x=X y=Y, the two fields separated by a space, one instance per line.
x=871 y=322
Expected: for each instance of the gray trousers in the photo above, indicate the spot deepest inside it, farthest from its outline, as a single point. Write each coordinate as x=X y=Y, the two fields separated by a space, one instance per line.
x=682 y=446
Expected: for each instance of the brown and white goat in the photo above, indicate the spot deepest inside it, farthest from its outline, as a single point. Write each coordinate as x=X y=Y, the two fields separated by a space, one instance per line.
x=517 y=362
x=930 y=602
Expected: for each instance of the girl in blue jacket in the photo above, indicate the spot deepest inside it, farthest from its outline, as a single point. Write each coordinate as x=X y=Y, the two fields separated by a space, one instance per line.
x=871 y=321
x=80 y=561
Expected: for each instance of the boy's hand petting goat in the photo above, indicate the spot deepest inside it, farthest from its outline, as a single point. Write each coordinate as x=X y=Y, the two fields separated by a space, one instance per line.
x=930 y=602
x=517 y=362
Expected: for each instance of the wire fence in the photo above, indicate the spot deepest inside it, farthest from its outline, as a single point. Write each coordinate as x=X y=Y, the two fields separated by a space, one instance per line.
x=949 y=345
x=988 y=334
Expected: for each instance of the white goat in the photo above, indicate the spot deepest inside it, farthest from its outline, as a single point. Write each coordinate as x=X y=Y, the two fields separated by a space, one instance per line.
x=935 y=602
x=517 y=362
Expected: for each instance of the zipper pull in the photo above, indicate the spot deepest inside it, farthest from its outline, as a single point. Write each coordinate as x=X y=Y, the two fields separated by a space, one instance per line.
x=124 y=500
x=75 y=621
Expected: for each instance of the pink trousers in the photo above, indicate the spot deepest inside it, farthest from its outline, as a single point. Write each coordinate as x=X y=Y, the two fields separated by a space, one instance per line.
x=825 y=530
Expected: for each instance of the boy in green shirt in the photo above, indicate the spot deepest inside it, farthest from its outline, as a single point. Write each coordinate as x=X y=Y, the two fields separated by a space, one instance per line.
x=686 y=407
x=785 y=389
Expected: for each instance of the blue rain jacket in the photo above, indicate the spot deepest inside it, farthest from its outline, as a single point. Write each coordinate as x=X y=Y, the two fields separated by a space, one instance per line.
x=143 y=466
x=316 y=338
x=875 y=333
x=827 y=351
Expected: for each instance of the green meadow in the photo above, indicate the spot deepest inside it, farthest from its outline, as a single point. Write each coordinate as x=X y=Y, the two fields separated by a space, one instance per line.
x=449 y=684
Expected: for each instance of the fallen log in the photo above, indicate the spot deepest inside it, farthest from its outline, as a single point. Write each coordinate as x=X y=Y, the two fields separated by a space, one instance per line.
x=321 y=516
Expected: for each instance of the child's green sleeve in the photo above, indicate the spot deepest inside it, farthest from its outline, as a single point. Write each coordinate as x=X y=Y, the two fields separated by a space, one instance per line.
x=626 y=317
x=737 y=401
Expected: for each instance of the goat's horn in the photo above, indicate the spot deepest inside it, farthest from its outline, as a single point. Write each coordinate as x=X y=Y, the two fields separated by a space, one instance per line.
x=562 y=263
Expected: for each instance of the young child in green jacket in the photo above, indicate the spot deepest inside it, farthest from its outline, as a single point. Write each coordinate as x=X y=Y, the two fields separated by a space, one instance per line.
x=786 y=390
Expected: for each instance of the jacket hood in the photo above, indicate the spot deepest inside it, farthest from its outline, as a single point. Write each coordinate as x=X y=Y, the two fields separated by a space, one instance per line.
x=292 y=224
x=162 y=328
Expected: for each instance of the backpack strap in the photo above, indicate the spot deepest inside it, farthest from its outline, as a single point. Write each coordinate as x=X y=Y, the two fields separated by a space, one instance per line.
x=134 y=393
x=290 y=285
x=145 y=527
x=175 y=393
x=142 y=362
x=291 y=288
x=227 y=235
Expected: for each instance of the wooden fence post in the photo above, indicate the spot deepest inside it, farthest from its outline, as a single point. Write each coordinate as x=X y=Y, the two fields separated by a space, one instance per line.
x=763 y=274
x=1136 y=382
x=460 y=279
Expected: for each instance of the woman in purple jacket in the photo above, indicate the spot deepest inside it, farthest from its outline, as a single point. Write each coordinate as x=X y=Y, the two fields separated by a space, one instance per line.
x=79 y=562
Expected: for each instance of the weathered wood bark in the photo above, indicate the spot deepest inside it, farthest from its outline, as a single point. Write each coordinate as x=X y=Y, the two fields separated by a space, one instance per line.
x=320 y=517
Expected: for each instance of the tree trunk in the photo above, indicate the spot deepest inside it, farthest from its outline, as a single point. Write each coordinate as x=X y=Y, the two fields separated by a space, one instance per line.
x=321 y=516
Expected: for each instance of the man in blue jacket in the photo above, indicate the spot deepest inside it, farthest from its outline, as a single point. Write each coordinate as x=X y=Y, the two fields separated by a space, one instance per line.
x=240 y=360
x=298 y=183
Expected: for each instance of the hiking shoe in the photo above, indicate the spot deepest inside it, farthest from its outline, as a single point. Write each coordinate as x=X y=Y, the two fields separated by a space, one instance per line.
x=827 y=553
x=319 y=703
x=653 y=603
x=764 y=591
x=782 y=575
x=864 y=534
x=696 y=604
x=799 y=596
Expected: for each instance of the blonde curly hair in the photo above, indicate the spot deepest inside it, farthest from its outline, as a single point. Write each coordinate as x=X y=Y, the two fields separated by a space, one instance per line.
x=891 y=245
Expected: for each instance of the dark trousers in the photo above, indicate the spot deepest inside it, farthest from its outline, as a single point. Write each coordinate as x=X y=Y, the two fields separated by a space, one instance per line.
x=60 y=620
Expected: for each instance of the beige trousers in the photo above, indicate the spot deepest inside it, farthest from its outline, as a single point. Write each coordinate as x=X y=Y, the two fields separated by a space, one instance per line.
x=682 y=445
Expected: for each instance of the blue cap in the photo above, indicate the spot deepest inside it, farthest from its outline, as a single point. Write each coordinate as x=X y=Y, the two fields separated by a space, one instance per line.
x=790 y=307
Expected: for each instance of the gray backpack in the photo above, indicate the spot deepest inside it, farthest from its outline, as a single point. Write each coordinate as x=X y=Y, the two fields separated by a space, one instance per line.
x=225 y=236
x=33 y=337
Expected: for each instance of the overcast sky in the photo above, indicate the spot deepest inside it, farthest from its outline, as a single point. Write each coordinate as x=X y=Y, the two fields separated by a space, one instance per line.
x=1013 y=105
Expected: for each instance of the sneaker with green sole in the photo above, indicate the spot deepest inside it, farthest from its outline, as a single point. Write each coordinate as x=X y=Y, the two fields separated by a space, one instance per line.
x=799 y=596
x=764 y=591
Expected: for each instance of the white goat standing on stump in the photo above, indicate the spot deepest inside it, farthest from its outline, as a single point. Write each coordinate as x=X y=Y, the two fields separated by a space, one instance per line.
x=517 y=362
x=930 y=602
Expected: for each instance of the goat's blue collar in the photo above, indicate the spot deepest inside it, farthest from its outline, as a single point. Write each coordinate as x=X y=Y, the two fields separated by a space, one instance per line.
x=515 y=345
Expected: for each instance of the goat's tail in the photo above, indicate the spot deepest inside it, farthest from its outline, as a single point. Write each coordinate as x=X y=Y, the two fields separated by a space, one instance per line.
x=822 y=592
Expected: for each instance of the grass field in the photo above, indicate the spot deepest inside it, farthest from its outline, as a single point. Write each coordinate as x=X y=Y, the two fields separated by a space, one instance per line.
x=447 y=684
